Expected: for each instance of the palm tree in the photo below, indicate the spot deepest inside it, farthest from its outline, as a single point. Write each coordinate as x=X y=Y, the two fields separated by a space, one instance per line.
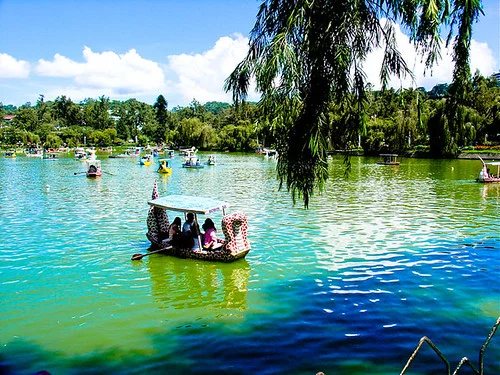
x=305 y=53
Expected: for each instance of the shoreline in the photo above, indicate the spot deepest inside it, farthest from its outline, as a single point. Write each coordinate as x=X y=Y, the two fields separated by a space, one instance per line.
x=426 y=155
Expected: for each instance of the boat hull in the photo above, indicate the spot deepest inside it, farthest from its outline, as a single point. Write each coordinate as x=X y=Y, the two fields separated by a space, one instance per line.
x=388 y=163
x=165 y=171
x=193 y=166
x=488 y=180
x=219 y=255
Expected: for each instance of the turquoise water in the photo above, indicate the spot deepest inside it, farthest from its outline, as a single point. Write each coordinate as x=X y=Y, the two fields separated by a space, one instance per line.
x=347 y=287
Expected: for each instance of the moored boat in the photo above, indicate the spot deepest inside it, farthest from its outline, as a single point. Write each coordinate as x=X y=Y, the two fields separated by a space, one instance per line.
x=234 y=227
x=388 y=159
x=9 y=154
x=164 y=166
x=130 y=152
x=50 y=156
x=33 y=153
x=80 y=154
x=488 y=176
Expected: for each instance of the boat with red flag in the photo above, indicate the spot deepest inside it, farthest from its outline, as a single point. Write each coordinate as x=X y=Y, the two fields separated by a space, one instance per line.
x=234 y=226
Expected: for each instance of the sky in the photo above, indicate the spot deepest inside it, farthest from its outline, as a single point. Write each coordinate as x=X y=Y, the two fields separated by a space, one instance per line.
x=184 y=50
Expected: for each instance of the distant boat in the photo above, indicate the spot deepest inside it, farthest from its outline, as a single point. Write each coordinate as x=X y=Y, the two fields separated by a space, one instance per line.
x=164 y=167
x=93 y=168
x=130 y=152
x=187 y=151
x=487 y=176
x=268 y=153
x=80 y=154
x=145 y=160
x=388 y=159
x=191 y=160
x=50 y=156
x=9 y=154
x=33 y=153
x=211 y=160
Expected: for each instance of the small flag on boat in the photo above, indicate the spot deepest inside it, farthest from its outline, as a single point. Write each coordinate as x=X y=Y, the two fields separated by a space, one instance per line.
x=155 y=195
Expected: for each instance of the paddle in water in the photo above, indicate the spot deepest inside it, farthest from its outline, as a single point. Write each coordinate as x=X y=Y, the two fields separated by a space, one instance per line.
x=140 y=256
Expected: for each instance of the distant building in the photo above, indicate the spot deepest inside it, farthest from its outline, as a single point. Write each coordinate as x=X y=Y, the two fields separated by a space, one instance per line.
x=6 y=119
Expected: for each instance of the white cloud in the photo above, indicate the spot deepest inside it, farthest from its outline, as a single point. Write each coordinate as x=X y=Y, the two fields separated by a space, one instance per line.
x=199 y=76
x=108 y=73
x=442 y=72
x=202 y=76
x=12 y=68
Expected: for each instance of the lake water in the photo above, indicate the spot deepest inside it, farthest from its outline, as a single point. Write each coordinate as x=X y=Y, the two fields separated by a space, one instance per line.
x=348 y=286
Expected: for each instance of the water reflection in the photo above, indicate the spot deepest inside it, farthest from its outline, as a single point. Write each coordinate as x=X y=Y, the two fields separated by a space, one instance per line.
x=217 y=289
x=490 y=190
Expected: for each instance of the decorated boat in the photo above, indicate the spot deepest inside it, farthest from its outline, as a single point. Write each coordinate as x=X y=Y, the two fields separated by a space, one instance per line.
x=93 y=168
x=388 y=159
x=486 y=175
x=234 y=227
x=164 y=166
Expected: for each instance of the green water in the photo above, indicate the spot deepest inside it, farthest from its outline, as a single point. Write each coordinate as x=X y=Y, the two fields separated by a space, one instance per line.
x=347 y=287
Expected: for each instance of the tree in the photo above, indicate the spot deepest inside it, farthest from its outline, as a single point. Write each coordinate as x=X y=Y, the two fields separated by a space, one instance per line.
x=96 y=113
x=161 y=111
x=2 y=112
x=26 y=118
x=304 y=54
x=67 y=112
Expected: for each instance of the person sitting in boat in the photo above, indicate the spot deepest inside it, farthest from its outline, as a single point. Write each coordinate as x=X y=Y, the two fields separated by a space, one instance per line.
x=210 y=240
x=190 y=232
x=174 y=231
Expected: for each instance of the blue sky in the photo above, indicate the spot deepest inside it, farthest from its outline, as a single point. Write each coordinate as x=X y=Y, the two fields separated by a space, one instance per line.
x=139 y=49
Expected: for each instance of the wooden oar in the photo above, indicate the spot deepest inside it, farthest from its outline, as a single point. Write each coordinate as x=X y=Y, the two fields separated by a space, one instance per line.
x=79 y=173
x=140 y=256
x=112 y=174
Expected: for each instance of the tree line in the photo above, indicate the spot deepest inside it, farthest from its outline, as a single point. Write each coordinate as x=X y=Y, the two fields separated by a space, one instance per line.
x=396 y=121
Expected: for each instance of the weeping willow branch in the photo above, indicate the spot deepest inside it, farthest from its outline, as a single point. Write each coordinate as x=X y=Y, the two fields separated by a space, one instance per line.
x=305 y=54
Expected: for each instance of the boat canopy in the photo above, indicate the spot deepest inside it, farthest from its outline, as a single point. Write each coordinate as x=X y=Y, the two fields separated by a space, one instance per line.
x=393 y=155
x=187 y=203
x=492 y=163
